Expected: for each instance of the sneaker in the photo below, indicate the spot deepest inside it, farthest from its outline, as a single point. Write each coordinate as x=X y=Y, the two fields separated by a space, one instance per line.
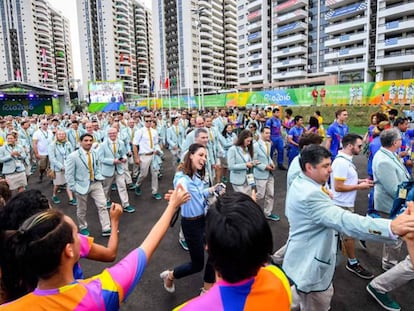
x=73 y=202
x=363 y=244
x=273 y=217
x=374 y=215
x=359 y=270
x=131 y=186
x=165 y=277
x=55 y=200
x=113 y=187
x=138 y=190
x=106 y=233
x=183 y=244
x=157 y=196
x=383 y=299
x=85 y=232
x=129 y=209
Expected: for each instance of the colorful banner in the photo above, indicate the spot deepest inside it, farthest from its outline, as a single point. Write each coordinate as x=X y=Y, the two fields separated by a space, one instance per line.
x=371 y=93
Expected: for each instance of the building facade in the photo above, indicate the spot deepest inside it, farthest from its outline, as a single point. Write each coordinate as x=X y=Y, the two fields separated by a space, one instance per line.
x=284 y=43
x=195 y=41
x=115 y=43
x=35 y=44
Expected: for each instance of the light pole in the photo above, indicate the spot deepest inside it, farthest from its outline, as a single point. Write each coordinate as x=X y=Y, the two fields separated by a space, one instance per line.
x=339 y=69
x=200 y=11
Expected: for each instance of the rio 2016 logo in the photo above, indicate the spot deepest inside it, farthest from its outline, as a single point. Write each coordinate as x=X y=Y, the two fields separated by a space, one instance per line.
x=277 y=98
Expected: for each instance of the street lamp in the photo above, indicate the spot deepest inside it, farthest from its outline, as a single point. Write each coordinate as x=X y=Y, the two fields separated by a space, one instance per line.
x=200 y=11
x=339 y=69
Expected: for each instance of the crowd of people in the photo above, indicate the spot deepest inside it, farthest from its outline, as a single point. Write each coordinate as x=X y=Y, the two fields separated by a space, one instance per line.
x=89 y=155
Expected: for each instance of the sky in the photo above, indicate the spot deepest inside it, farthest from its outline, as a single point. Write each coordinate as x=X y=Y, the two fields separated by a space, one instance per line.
x=68 y=9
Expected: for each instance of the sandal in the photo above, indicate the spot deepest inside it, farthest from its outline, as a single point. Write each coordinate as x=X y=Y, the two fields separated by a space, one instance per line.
x=165 y=276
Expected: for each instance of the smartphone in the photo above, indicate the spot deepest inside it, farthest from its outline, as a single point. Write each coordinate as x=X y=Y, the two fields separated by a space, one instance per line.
x=219 y=188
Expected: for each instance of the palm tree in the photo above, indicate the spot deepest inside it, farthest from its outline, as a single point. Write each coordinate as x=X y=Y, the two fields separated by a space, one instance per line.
x=373 y=74
x=352 y=76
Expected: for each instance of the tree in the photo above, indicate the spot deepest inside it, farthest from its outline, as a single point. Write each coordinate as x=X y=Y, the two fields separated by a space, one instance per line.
x=352 y=76
x=373 y=74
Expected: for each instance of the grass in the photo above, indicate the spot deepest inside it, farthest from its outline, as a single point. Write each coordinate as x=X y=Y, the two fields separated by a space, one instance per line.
x=361 y=130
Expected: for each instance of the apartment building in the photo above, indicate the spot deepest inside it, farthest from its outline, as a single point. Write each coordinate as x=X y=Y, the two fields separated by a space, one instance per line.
x=35 y=44
x=114 y=43
x=394 y=58
x=254 y=43
x=195 y=41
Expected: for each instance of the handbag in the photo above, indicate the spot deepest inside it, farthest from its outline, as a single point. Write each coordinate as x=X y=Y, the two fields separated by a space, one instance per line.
x=50 y=173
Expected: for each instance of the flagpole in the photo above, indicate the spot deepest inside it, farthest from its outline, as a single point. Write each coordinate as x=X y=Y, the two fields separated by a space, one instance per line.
x=178 y=92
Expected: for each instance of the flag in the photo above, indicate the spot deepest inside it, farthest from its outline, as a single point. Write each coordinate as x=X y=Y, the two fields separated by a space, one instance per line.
x=152 y=86
x=167 y=83
x=121 y=57
x=43 y=53
x=60 y=53
x=174 y=81
x=18 y=75
x=121 y=70
x=45 y=76
x=145 y=83
x=160 y=83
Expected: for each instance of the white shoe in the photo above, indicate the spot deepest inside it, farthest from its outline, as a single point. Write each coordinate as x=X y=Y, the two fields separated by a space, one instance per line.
x=164 y=276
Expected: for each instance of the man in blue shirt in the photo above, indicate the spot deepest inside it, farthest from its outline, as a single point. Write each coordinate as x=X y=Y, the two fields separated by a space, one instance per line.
x=275 y=125
x=293 y=138
x=336 y=131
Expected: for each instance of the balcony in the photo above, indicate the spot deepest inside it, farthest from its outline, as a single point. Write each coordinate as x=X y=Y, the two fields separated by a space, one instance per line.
x=291 y=17
x=298 y=50
x=397 y=11
x=291 y=63
x=405 y=59
x=254 y=37
x=255 y=47
x=291 y=28
x=254 y=57
x=393 y=43
x=290 y=5
x=290 y=74
x=254 y=5
x=254 y=26
x=396 y=27
x=346 y=26
x=346 y=53
x=256 y=67
x=347 y=11
x=346 y=39
x=256 y=79
x=337 y=3
x=343 y=67
x=254 y=16
x=290 y=40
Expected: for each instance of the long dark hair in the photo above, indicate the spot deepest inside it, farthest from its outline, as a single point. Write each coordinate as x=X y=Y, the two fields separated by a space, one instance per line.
x=33 y=251
x=186 y=167
x=224 y=132
x=240 y=141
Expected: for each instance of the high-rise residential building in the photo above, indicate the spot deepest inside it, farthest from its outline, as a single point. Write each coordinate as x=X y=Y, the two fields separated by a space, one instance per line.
x=254 y=43
x=115 y=43
x=35 y=44
x=394 y=57
x=304 y=42
x=195 y=41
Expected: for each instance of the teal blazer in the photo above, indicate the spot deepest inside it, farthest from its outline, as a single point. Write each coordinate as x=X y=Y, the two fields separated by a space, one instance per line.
x=106 y=157
x=314 y=222
x=77 y=171
x=388 y=174
x=236 y=165
x=260 y=154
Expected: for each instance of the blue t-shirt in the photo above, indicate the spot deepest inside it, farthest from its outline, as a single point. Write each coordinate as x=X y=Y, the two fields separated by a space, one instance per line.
x=295 y=133
x=275 y=125
x=336 y=132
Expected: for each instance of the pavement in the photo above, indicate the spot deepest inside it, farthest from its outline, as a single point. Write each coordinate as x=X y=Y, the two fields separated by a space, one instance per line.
x=350 y=293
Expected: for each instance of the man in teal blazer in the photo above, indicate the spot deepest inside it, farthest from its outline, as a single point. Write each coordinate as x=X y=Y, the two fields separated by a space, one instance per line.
x=313 y=234
x=84 y=178
x=388 y=173
x=263 y=174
